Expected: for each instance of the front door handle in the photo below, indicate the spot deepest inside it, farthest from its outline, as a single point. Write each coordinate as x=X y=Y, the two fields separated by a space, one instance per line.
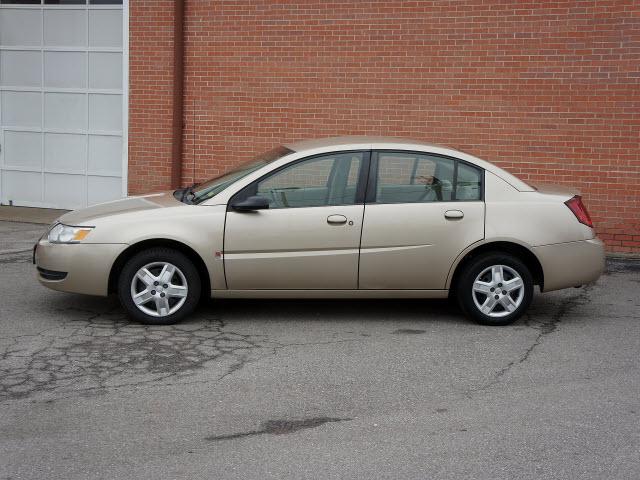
x=453 y=214
x=336 y=219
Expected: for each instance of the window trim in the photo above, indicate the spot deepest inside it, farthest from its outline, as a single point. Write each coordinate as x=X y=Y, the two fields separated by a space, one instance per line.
x=360 y=185
x=372 y=184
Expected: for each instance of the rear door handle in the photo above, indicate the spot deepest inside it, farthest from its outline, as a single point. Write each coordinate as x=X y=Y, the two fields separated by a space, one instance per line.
x=453 y=214
x=336 y=219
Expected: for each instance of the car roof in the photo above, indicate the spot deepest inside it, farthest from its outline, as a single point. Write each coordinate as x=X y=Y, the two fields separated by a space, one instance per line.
x=359 y=141
x=323 y=145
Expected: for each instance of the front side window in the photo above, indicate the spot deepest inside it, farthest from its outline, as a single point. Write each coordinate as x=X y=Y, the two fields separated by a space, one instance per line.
x=315 y=182
x=423 y=178
x=206 y=190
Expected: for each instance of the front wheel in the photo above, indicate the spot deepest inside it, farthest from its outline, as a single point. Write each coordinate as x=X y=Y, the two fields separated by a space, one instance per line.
x=159 y=286
x=495 y=289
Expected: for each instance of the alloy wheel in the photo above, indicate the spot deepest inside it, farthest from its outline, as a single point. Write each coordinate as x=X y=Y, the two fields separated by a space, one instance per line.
x=159 y=289
x=498 y=291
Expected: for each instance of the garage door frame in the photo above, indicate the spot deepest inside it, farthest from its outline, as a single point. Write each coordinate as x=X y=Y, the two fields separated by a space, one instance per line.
x=42 y=89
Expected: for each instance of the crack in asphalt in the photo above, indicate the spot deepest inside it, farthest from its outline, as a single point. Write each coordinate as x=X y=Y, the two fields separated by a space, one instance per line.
x=544 y=328
x=279 y=427
x=551 y=324
x=12 y=257
x=102 y=349
x=99 y=350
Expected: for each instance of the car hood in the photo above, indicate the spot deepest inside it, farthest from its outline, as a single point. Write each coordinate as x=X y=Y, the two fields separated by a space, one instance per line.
x=153 y=201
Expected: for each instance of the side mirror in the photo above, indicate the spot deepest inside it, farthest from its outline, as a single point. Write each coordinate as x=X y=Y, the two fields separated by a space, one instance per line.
x=251 y=203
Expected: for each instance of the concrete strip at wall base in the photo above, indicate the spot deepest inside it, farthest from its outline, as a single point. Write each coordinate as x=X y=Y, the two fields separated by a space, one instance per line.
x=29 y=215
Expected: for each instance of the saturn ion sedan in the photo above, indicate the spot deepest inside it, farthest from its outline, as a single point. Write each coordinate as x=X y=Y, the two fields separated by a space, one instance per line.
x=351 y=217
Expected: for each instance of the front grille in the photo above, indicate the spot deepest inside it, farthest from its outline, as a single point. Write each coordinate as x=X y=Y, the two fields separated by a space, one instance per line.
x=51 y=274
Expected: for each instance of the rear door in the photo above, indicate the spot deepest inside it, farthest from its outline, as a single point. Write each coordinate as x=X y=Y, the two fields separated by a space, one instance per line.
x=309 y=236
x=422 y=210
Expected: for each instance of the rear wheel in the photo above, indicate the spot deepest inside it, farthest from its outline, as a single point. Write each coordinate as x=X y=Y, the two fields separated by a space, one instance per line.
x=159 y=286
x=495 y=289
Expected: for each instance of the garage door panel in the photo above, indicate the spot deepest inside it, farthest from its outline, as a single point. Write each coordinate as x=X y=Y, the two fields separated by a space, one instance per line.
x=105 y=70
x=67 y=190
x=26 y=186
x=23 y=149
x=65 y=111
x=105 y=155
x=65 y=152
x=61 y=102
x=105 y=28
x=21 y=109
x=65 y=69
x=65 y=28
x=103 y=189
x=20 y=27
x=105 y=112
x=20 y=68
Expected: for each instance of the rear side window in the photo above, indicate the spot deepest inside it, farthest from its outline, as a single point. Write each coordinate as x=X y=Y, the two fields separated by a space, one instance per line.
x=405 y=177
x=468 y=183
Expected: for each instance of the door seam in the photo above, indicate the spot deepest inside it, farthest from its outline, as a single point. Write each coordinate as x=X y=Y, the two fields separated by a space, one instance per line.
x=224 y=239
x=364 y=211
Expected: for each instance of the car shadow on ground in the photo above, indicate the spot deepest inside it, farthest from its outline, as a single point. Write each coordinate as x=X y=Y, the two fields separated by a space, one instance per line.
x=292 y=311
x=285 y=310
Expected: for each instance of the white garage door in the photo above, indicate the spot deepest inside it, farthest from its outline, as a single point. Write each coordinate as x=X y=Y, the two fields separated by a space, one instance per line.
x=62 y=102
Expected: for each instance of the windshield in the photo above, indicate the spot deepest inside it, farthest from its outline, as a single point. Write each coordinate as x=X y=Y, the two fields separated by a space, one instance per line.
x=210 y=188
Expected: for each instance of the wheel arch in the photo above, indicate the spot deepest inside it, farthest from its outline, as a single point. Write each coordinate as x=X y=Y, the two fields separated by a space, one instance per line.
x=524 y=253
x=142 y=245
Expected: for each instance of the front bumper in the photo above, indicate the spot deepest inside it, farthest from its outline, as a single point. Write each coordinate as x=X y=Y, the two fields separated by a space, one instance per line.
x=86 y=265
x=571 y=264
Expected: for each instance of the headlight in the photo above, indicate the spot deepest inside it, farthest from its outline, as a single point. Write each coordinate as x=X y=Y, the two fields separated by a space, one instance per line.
x=66 y=234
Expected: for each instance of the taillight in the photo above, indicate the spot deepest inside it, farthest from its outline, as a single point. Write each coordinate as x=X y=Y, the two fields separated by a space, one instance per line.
x=579 y=210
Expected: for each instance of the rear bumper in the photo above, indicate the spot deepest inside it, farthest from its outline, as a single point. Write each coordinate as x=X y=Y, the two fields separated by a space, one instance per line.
x=571 y=264
x=78 y=268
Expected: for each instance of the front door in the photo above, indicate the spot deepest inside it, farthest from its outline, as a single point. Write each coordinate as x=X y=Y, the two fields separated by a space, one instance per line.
x=422 y=210
x=309 y=236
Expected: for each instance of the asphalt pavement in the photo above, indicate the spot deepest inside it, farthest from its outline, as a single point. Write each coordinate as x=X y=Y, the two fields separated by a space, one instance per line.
x=316 y=389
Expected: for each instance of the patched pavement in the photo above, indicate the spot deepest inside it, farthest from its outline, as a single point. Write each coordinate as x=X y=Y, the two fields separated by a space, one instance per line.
x=316 y=389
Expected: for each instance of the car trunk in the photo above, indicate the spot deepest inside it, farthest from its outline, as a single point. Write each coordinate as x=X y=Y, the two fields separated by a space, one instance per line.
x=552 y=189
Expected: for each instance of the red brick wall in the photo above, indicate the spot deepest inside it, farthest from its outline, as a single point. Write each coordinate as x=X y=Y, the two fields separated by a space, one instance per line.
x=548 y=90
x=150 y=94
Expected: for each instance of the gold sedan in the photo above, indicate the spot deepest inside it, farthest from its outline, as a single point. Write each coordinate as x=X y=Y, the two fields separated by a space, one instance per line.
x=351 y=217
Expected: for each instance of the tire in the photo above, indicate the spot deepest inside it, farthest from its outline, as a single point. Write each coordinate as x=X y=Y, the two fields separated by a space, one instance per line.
x=164 y=295
x=504 y=301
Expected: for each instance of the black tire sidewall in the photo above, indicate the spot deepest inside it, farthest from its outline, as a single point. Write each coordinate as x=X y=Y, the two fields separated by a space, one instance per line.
x=159 y=255
x=473 y=269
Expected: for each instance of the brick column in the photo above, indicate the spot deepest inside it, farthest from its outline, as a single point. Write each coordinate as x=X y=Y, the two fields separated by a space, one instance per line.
x=155 y=95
